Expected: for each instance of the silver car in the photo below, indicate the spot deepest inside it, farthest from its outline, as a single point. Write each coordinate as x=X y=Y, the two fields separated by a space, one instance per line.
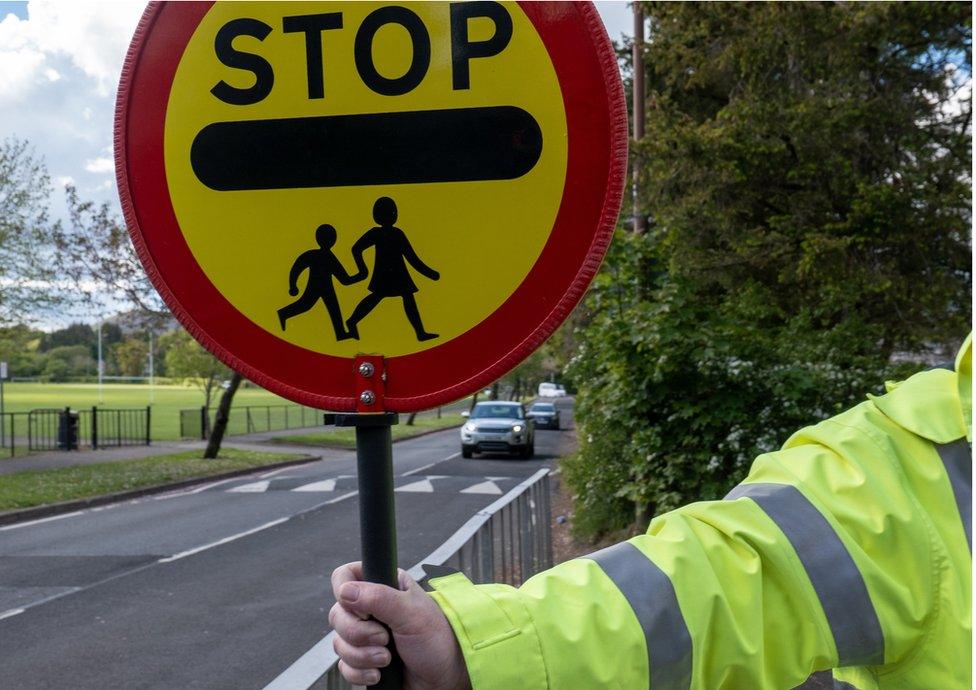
x=545 y=414
x=498 y=427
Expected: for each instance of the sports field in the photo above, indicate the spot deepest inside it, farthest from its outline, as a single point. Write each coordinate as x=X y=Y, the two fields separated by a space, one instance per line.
x=166 y=400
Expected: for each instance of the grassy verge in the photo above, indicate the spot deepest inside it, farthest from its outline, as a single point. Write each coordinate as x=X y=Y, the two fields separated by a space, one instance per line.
x=346 y=438
x=39 y=487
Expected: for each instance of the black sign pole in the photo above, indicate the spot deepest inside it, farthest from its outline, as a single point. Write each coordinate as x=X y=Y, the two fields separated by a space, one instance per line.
x=377 y=517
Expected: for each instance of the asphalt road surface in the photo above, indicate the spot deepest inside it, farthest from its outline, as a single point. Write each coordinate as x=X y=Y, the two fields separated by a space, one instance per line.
x=224 y=585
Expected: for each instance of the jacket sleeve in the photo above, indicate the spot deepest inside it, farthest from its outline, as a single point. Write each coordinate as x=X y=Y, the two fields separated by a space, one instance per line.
x=822 y=558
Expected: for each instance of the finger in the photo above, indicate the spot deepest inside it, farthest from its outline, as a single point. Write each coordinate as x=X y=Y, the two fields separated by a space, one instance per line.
x=394 y=607
x=359 y=676
x=349 y=572
x=361 y=657
x=357 y=631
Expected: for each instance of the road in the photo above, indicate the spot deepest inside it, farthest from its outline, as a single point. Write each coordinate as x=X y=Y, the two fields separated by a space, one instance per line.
x=224 y=585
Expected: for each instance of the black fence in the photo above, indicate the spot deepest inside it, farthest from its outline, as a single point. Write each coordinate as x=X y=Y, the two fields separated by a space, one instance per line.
x=196 y=422
x=13 y=433
x=67 y=429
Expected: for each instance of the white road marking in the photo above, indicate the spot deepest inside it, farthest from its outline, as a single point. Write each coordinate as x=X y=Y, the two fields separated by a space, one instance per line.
x=225 y=540
x=334 y=500
x=325 y=485
x=429 y=465
x=11 y=613
x=252 y=488
x=274 y=472
x=420 y=469
x=150 y=564
x=18 y=525
x=423 y=486
x=199 y=489
x=488 y=487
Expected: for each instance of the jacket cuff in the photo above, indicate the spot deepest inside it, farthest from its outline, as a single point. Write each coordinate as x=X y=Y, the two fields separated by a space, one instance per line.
x=495 y=633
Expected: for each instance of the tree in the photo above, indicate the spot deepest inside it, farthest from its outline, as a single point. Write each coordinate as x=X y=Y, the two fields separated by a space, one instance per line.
x=19 y=345
x=132 y=356
x=73 y=334
x=186 y=359
x=96 y=249
x=68 y=361
x=25 y=275
x=222 y=417
x=807 y=187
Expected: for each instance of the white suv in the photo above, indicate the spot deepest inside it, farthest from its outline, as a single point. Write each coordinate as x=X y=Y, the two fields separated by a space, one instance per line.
x=498 y=427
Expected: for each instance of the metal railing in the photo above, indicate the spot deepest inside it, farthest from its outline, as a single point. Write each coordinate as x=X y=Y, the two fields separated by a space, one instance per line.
x=104 y=428
x=509 y=541
x=196 y=422
x=67 y=429
x=12 y=424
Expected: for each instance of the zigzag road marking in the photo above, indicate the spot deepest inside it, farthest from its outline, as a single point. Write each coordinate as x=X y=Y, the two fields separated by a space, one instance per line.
x=434 y=483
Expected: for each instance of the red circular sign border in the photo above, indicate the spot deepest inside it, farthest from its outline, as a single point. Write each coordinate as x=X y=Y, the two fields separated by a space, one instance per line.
x=594 y=101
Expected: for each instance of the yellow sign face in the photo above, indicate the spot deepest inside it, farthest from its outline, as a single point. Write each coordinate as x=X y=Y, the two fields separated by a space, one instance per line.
x=344 y=173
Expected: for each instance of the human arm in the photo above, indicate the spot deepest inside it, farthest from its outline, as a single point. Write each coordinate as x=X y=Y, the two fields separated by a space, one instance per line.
x=411 y=256
x=339 y=271
x=825 y=557
x=297 y=268
x=361 y=245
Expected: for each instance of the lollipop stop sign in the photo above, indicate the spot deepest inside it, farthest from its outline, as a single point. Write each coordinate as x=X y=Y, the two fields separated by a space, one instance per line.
x=371 y=208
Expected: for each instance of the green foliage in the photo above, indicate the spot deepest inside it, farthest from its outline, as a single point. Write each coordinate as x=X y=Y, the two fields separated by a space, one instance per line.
x=806 y=179
x=73 y=334
x=65 y=361
x=19 y=349
x=132 y=356
x=186 y=359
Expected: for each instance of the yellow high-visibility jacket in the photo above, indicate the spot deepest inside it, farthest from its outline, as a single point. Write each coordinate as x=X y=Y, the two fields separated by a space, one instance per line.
x=848 y=549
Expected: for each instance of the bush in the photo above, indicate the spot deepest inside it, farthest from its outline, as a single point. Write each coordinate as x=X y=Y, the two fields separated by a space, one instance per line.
x=806 y=178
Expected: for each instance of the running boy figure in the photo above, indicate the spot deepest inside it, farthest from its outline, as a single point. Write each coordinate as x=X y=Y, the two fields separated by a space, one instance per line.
x=322 y=266
x=390 y=275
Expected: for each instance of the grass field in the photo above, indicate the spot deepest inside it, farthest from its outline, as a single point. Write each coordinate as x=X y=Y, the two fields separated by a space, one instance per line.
x=166 y=401
x=346 y=438
x=34 y=488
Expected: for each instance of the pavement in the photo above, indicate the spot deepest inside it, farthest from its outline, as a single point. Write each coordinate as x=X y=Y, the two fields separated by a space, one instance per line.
x=226 y=584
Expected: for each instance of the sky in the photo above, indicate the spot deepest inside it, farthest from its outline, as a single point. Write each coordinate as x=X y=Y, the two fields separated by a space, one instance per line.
x=59 y=69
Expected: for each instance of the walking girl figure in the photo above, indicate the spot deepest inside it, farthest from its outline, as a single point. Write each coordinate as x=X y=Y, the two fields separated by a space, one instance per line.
x=390 y=277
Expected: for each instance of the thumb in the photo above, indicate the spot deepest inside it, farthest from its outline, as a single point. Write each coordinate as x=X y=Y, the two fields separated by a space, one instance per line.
x=385 y=604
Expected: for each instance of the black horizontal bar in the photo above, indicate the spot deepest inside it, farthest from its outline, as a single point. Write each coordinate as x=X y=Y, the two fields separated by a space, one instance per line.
x=457 y=145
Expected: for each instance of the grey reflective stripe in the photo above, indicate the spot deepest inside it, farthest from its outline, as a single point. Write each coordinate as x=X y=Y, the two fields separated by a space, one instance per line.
x=958 y=460
x=650 y=593
x=833 y=573
x=841 y=685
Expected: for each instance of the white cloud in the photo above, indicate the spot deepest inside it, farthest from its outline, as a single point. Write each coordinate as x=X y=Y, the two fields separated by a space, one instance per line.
x=92 y=36
x=102 y=164
x=59 y=70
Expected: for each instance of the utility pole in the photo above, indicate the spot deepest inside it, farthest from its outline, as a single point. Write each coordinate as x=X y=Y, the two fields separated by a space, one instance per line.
x=101 y=363
x=638 y=127
x=151 y=371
